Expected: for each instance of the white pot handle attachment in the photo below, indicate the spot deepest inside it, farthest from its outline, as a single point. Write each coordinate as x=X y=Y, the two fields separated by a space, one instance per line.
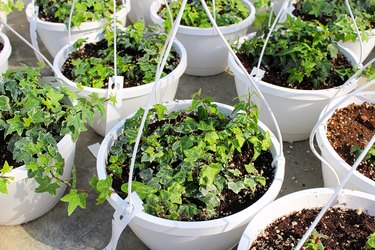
x=122 y=217
x=33 y=32
x=113 y=110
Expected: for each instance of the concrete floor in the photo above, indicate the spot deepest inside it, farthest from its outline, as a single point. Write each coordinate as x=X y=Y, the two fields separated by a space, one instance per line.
x=91 y=228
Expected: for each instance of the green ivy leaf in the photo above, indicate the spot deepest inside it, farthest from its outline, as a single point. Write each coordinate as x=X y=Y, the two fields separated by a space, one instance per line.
x=237 y=186
x=176 y=191
x=141 y=189
x=208 y=174
x=46 y=185
x=74 y=200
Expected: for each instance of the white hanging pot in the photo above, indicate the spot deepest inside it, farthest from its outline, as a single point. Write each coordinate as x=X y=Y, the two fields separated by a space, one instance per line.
x=5 y=52
x=206 y=51
x=140 y=10
x=22 y=204
x=296 y=111
x=339 y=167
x=367 y=46
x=159 y=233
x=133 y=97
x=308 y=199
x=55 y=35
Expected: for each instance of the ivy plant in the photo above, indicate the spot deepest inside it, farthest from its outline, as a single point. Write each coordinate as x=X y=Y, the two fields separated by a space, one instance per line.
x=33 y=119
x=299 y=54
x=8 y=6
x=138 y=52
x=227 y=12
x=186 y=165
x=315 y=241
x=370 y=243
x=357 y=149
x=84 y=10
x=334 y=13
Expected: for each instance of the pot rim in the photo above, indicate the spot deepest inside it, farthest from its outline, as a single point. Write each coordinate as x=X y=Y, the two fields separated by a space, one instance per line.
x=7 y=49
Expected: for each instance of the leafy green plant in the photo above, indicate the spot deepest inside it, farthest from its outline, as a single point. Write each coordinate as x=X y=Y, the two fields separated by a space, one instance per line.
x=299 y=54
x=8 y=6
x=33 y=119
x=138 y=51
x=85 y=10
x=188 y=161
x=356 y=150
x=335 y=14
x=370 y=243
x=315 y=241
x=227 y=13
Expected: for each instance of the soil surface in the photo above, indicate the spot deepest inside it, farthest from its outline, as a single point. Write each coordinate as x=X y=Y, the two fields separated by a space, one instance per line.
x=349 y=126
x=274 y=76
x=345 y=229
x=231 y=202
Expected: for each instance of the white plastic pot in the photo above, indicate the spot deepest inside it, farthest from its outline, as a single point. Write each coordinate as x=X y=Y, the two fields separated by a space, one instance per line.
x=133 y=97
x=158 y=233
x=310 y=198
x=296 y=111
x=22 y=204
x=140 y=10
x=206 y=51
x=5 y=52
x=367 y=46
x=55 y=35
x=340 y=167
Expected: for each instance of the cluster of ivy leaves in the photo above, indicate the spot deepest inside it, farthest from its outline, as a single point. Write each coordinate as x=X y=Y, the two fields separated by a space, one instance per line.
x=8 y=6
x=335 y=14
x=185 y=158
x=138 y=52
x=300 y=52
x=33 y=119
x=84 y=10
x=227 y=12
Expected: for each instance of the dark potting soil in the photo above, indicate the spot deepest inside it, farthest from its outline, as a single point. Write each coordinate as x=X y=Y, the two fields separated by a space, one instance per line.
x=231 y=202
x=1 y=47
x=345 y=229
x=349 y=126
x=92 y=49
x=275 y=77
x=5 y=154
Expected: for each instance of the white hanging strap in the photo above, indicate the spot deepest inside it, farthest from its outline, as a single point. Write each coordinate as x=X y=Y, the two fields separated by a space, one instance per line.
x=214 y=9
x=122 y=217
x=115 y=85
x=250 y=78
x=70 y=21
x=336 y=193
x=356 y=29
x=170 y=40
x=168 y=9
x=33 y=32
x=35 y=49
